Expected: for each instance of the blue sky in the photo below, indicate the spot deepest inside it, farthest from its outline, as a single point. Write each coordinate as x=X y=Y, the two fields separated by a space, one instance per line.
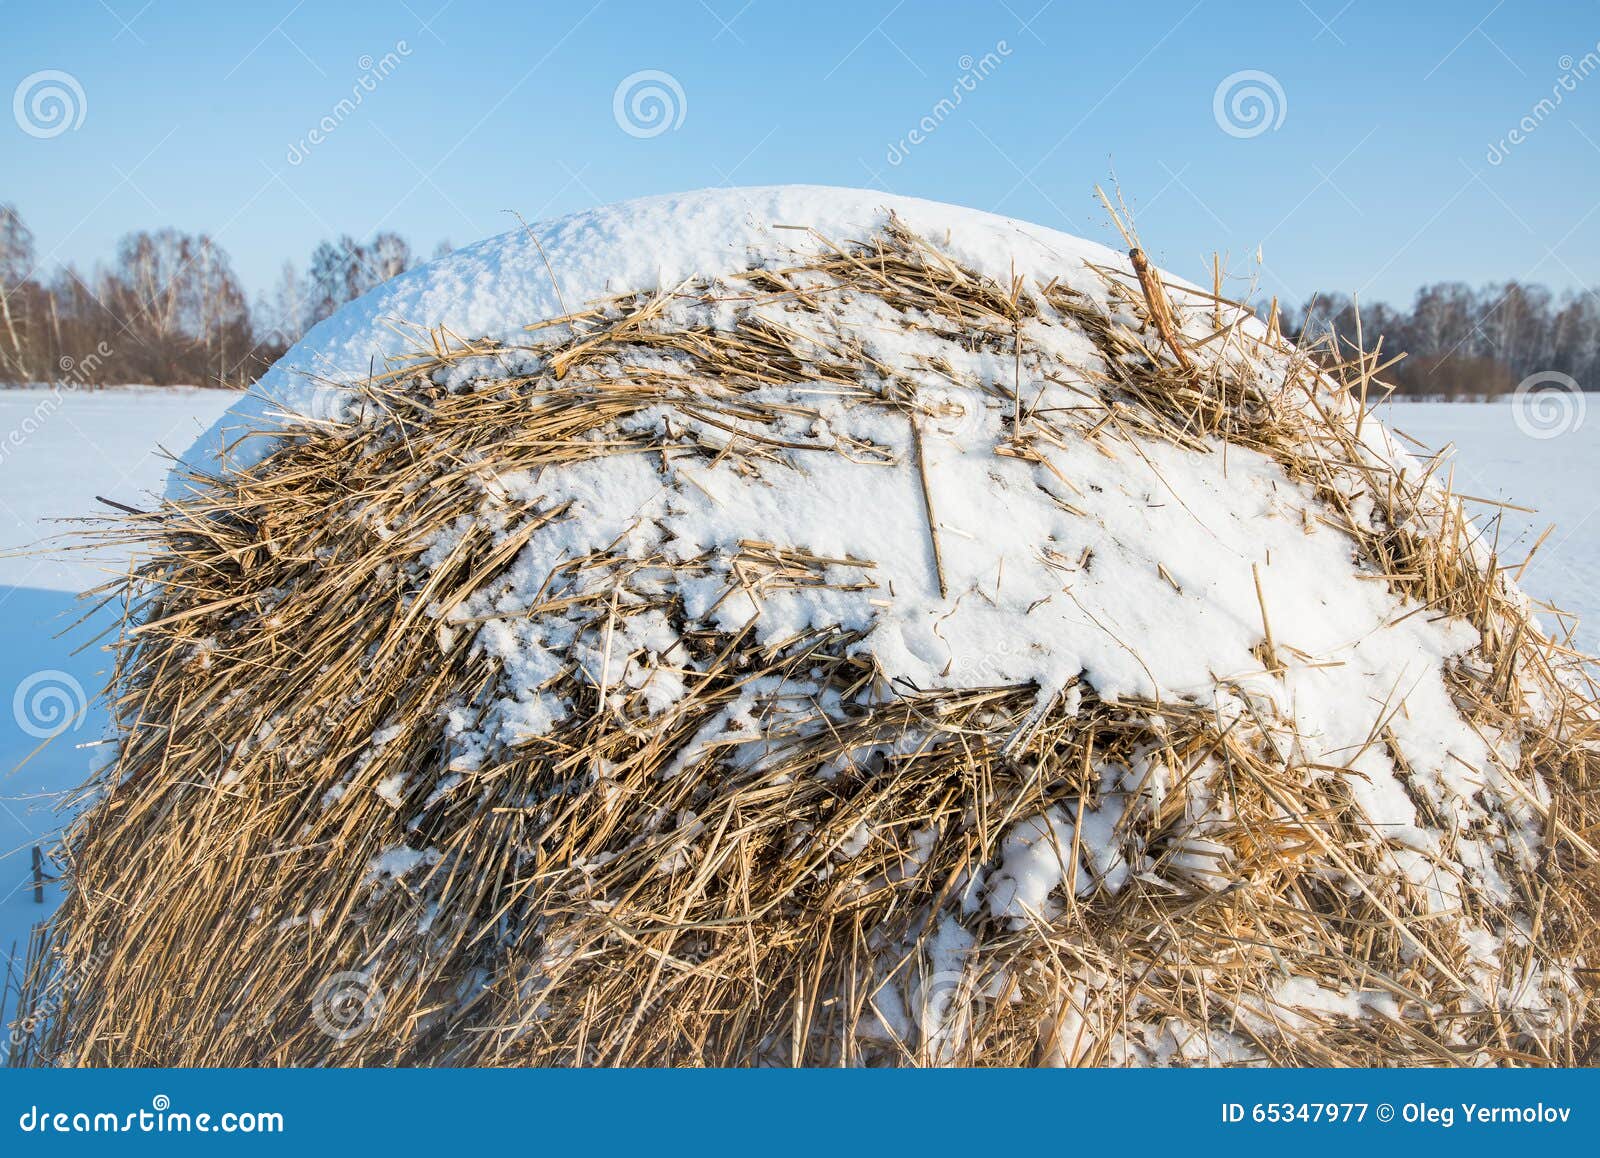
x=1375 y=179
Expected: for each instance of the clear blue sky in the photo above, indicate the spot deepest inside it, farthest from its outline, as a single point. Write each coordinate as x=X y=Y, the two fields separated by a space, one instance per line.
x=1377 y=178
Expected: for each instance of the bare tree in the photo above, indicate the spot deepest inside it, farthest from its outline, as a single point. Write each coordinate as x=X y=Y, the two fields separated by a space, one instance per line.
x=16 y=266
x=343 y=270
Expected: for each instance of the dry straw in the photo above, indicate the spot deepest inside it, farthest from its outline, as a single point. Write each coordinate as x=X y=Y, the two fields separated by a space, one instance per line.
x=220 y=871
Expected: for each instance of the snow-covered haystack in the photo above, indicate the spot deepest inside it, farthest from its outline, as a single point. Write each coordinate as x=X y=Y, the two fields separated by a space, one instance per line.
x=839 y=629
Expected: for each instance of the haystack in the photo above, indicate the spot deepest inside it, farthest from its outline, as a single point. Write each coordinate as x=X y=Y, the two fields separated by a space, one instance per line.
x=811 y=627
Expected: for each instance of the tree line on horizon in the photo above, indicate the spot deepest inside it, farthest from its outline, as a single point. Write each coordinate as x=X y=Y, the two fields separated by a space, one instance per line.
x=167 y=309
x=171 y=311
x=1462 y=342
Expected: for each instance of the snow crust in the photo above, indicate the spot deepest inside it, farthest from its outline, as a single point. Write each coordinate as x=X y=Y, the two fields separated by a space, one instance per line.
x=499 y=285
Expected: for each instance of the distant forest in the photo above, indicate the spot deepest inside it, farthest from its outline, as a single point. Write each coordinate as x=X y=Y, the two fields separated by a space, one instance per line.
x=167 y=309
x=1462 y=342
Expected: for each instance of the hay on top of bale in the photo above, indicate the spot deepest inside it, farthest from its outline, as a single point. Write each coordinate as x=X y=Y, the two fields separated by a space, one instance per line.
x=913 y=639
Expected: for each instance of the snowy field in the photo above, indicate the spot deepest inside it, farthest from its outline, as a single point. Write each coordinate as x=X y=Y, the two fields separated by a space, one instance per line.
x=59 y=454
x=1558 y=476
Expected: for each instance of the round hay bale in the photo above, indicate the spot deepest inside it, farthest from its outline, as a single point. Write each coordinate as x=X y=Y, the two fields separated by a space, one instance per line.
x=811 y=627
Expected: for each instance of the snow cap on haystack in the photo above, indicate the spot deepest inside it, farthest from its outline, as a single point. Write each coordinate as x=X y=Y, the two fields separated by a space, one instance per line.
x=811 y=626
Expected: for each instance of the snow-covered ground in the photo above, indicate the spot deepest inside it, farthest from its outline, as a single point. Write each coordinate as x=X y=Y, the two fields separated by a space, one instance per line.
x=1557 y=475
x=58 y=451
x=58 y=454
